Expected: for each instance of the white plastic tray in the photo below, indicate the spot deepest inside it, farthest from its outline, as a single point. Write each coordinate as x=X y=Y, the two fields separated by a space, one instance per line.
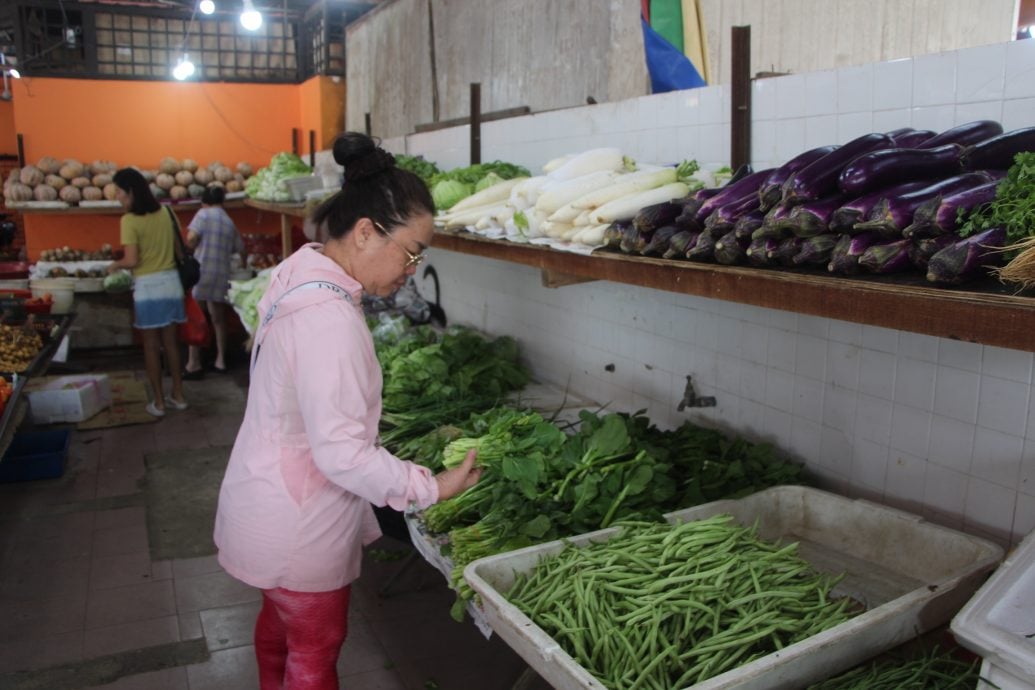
x=910 y=575
x=999 y=621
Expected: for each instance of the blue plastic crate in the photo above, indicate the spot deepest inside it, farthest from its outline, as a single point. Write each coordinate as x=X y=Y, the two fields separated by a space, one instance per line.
x=35 y=455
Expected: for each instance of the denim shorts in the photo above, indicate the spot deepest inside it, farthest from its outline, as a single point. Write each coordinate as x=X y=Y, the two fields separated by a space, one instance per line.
x=158 y=299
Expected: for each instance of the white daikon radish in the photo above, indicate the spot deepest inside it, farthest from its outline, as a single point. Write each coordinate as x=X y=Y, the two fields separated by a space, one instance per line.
x=567 y=191
x=590 y=161
x=555 y=163
x=625 y=185
x=627 y=207
x=490 y=195
x=592 y=235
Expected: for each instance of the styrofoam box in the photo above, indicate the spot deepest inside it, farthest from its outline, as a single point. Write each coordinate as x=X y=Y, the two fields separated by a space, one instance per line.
x=68 y=398
x=999 y=621
x=909 y=574
x=298 y=186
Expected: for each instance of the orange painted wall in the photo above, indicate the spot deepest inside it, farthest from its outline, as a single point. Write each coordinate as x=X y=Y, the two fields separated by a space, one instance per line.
x=322 y=101
x=8 y=134
x=137 y=123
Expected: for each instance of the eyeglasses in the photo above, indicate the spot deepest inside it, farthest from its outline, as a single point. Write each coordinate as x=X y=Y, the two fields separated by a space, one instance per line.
x=411 y=259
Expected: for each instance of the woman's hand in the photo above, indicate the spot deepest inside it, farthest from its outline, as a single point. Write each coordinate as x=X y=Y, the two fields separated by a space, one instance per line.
x=463 y=476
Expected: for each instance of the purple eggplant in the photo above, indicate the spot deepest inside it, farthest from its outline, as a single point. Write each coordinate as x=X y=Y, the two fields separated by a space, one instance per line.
x=891 y=214
x=759 y=251
x=733 y=192
x=816 y=250
x=940 y=215
x=965 y=134
x=785 y=251
x=844 y=259
x=659 y=241
x=721 y=220
x=886 y=257
x=771 y=191
x=613 y=236
x=999 y=152
x=911 y=139
x=820 y=177
x=729 y=250
x=704 y=248
x=650 y=218
x=630 y=242
x=921 y=251
x=705 y=193
x=687 y=218
x=811 y=219
x=748 y=223
x=856 y=210
x=679 y=244
x=888 y=167
x=774 y=224
x=965 y=259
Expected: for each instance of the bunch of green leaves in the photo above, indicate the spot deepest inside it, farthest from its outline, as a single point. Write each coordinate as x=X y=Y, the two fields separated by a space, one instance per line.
x=473 y=174
x=1013 y=207
x=423 y=169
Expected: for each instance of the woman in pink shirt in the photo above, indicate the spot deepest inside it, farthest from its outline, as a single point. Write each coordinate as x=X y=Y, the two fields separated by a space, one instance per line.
x=294 y=507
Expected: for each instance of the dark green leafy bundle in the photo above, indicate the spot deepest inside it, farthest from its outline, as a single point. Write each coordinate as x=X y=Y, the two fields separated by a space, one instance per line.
x=473 y=174
x=1013 y=207
x=431 y=380
x=423 y=169
x=937 y=670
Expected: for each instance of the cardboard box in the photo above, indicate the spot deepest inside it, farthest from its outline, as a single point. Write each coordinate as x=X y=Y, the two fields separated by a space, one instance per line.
x=68 y=398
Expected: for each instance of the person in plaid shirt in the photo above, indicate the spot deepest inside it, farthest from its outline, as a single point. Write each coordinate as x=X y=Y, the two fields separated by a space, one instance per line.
x=214 y=238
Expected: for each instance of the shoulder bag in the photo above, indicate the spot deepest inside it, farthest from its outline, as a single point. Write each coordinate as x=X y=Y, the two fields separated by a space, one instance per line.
x=186 y=265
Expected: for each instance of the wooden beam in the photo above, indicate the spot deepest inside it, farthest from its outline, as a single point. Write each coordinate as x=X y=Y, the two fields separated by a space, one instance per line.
x=552 y=278
x=476 y=123
x=486 y=117
x=740 y=117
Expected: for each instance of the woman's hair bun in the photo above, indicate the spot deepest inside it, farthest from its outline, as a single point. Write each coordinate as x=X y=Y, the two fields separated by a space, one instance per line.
x=361 y=156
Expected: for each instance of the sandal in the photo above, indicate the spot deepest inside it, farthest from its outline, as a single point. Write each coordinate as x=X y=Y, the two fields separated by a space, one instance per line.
x=175 y=404
x=154 y=410
x=195 y=375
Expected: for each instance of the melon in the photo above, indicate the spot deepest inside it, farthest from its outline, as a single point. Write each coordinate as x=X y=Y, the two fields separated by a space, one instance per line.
x=45 y=192
x=71 y=194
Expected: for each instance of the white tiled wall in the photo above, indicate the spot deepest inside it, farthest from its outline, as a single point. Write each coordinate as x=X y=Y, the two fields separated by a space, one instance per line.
x=939 y=427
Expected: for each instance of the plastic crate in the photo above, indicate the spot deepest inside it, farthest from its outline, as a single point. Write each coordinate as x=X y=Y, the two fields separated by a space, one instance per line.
x=910 y=575
x=35 y=455
x=999 y=621
x=299 y=186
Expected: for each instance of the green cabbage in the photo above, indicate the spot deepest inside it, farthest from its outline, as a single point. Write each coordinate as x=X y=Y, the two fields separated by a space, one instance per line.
x=488 y=181
x=268 y=183
x=119 y=281
x=448 y=192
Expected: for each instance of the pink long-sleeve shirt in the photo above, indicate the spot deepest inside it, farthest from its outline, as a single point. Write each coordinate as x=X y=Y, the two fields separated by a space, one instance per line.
x=294 y=507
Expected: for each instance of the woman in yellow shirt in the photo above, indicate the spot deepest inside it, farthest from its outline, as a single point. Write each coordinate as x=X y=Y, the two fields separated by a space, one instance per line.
x=147 y=242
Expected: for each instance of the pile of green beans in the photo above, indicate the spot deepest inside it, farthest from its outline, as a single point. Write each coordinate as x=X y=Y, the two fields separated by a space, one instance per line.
x=938 y=670
x=667 y=606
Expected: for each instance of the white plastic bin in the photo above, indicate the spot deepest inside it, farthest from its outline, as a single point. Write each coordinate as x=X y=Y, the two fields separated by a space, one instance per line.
x=910 y=574
x=61 y=289
x=999 y=622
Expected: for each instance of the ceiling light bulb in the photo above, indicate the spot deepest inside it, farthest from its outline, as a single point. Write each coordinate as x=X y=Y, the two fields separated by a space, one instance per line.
x=251 y=19
x=14 y=73
x=184 y=68
x=207 y=6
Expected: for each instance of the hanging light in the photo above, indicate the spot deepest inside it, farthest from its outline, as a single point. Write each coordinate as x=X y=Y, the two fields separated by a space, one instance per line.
x=251 y=19
x=184 y=68
x=207 y=6
x=14 y=73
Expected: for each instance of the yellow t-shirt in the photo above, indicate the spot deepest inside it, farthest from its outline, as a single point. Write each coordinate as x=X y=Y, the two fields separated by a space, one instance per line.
x=154 y=239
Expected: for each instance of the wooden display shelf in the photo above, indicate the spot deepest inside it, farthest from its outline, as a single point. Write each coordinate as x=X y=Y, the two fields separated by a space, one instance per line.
x=987 y=313
x=286 y=211
x=111 y=211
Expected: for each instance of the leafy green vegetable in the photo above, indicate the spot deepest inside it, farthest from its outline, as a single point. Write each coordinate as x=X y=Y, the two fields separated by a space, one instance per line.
x=1013 y=206
x=472 y=174
x=423 y=169
x=119 y=281
x=488 y=181
x=446 y=193
x=268 y=183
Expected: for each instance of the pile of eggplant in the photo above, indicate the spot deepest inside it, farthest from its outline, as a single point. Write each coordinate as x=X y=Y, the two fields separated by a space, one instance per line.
x=882 y=203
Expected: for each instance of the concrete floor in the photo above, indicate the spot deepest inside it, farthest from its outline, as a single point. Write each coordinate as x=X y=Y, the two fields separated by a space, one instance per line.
x=83 y=604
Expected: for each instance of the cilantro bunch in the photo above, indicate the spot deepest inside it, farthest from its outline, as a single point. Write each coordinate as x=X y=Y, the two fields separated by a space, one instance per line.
x=1013 y=207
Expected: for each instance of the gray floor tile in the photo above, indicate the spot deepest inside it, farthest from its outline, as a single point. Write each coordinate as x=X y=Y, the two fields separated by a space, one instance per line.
x=118 y=571
x=166 y=679
x=27 y=619
x=117 y=541
x=107 y=607
x=127 y=636
x=26 y=653
x=35 y=580
x=190 y=626
x=192 y=567
x=378 y=679
x=212 y=591
x=120 y=517
x=230 y=626
x=362 y=652
x=228 y=669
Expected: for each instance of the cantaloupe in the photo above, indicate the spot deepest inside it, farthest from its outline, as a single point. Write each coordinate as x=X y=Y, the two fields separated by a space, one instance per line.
x=234 y=186
x=55 y=181
x=49 y=165
x=245 y=169
x=184 y=178
x=31 y=175
x=92 y=194
x=203 y=176
x=45 y=192
x=70 y=194
x=169 y=165
x=178 y=192
x=101 y=179
x=165 y=181
x=16 y=191
x=103 y=167
x=81 y=182
x=72 y=169
x=224 y=174
x=110 y=191
x=189 y=164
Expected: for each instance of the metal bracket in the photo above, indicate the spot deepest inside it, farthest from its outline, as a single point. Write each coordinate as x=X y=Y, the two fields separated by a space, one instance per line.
x=691 y=399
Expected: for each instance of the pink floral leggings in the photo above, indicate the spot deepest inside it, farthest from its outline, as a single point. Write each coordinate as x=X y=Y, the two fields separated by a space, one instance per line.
x=298 y=637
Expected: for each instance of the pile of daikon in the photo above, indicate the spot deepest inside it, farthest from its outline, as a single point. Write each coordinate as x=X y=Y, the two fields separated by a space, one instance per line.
x=577 y=198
